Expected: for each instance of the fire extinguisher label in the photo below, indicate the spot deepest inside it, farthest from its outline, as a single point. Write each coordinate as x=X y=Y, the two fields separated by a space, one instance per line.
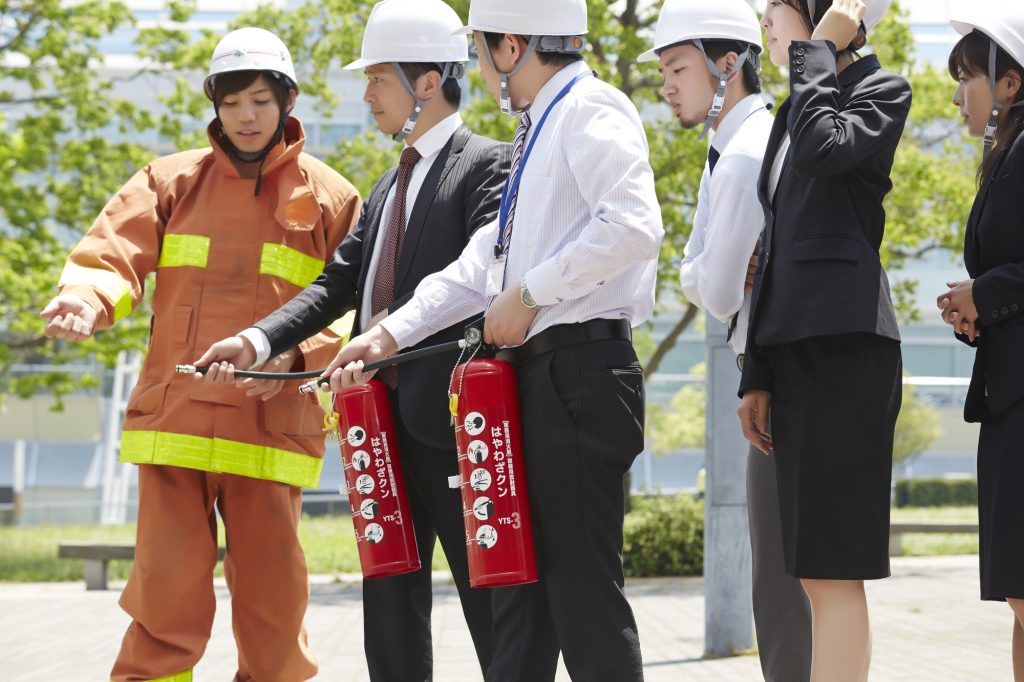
x=360 y=460
x=480 y=480
x=369 y=509
x=474 y=423
x=483 y=508
x=356 y=436
x=364 y=484
x=487 y=536
x=374 y=533
x=477 y=451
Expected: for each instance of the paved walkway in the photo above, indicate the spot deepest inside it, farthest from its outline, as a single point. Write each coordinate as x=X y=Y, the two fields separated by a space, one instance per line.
x=928 y=623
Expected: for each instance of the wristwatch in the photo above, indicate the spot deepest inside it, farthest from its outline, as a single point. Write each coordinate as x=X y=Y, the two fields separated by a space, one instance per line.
x=525 y=297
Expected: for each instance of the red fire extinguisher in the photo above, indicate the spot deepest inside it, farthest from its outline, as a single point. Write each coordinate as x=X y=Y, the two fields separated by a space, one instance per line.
x=376 y=486
x=495 y=503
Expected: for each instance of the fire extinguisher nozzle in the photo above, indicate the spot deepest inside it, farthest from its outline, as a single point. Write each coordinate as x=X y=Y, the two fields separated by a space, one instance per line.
x=309 y=386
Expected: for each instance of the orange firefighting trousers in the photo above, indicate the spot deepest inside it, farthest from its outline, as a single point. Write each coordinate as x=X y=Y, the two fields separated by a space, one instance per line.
x=170 y=594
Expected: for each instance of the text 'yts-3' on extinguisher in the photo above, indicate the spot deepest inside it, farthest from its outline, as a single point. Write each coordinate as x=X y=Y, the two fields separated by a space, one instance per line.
x=484 y=403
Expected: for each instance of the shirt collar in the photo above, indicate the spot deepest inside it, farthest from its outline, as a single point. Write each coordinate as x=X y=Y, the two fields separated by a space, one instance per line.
x=554 y=86
x=858 y=70
x=733 y=121
x=430 y=143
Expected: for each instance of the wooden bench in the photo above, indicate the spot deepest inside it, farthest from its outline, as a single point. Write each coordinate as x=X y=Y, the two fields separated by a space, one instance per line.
x=98 y=555
x=897 y=530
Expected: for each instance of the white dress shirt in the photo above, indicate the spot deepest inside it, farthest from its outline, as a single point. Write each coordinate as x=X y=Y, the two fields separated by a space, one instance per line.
x=429 y=145
x=587 y=224
x=729 y=218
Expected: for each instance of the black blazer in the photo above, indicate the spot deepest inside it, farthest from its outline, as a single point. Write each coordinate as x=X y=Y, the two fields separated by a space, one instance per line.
x=460 y=194
x=994 y=256
x=820 y=272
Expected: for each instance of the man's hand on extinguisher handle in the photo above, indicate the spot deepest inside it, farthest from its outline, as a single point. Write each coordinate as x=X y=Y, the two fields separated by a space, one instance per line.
x=346 y=367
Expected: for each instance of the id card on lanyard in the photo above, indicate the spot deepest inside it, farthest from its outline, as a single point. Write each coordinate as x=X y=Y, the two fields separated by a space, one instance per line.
x=496 y=269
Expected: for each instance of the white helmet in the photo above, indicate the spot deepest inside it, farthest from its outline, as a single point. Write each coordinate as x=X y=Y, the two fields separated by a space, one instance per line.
x=1003 y=24
x=528 y=17
x=413 y=31
x=873 y=14
x=250 y=49
x=695 y=21
x=683 y=20
x=553 y=26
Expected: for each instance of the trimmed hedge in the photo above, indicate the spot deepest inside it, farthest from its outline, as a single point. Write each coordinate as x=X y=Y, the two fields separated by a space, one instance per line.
x=664 y=536
x=936 y=492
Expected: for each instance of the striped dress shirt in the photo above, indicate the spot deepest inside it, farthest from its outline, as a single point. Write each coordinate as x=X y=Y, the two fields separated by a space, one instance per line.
x=587 y=225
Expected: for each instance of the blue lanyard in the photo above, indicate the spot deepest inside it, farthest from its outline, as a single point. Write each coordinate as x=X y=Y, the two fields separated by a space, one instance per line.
x=512 y=184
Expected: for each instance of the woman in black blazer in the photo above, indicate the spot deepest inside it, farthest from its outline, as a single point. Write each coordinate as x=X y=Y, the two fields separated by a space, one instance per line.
x=823 y=350
x=986 y=310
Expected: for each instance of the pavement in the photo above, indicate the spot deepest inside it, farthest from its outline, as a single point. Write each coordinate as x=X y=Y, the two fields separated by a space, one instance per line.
x=928 y=623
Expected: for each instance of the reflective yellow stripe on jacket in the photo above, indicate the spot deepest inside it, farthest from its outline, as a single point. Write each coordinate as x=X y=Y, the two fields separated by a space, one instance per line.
x=290 y=265
x=222 y=456
x=180 y=677
x=184 y=250
x=107 y=282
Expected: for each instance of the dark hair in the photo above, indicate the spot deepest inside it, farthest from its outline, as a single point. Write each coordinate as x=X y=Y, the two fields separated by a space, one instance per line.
x=716 y=49
x=819 y=11
x=451 y=90
x=970 y=57
x=234 y=82
x=546 y=58
x=820 y=7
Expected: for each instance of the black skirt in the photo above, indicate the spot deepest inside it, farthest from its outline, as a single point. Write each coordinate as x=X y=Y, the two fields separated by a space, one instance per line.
x=1001 y=506
x=834 y=406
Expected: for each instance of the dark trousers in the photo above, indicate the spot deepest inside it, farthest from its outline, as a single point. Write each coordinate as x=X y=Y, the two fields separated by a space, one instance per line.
x=396 y=610
x=782 y=614
x=583 y=414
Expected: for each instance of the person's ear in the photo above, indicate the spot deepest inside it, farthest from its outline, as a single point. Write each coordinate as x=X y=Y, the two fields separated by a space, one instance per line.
x=1013 y=80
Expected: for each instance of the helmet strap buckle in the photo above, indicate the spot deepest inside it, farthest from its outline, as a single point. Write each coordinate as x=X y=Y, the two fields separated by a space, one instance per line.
x=505 y=100
x=718 y=103
x=451 y=70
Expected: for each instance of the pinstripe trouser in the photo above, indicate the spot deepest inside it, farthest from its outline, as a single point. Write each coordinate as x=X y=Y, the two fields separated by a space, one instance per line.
x=782 y=614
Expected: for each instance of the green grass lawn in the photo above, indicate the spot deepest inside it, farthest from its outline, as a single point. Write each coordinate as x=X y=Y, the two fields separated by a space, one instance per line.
x=30 y=554
x=935 y=544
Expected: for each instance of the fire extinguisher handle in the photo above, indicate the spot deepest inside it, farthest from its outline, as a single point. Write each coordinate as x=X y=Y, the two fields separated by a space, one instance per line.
x=473 y=336
x=399 y=359
x=249 y=374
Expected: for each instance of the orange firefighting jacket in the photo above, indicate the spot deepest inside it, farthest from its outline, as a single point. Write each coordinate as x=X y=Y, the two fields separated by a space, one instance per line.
x=224 y=259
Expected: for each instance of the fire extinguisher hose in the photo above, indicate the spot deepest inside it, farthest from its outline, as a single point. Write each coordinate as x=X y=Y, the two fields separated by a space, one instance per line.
x=473 y=337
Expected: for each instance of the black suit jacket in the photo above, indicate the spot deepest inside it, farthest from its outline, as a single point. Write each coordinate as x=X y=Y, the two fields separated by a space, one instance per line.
x=460 y=194
x=994 y=256
x=820 y=272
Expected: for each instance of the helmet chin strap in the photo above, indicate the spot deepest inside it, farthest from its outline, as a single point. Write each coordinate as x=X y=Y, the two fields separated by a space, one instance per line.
x=718 y=103
x=506 y=97
x=253 y=157
x=454 y=70
x=997 y=107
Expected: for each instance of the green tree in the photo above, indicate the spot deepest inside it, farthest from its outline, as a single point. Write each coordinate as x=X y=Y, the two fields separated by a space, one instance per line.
x=59 y=167
x=917 y=427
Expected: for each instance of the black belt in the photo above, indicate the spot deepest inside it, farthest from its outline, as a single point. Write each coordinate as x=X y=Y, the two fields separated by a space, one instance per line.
x=563 y=335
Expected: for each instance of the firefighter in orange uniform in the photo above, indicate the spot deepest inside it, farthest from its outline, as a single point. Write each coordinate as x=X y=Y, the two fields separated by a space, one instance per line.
x=232 y=232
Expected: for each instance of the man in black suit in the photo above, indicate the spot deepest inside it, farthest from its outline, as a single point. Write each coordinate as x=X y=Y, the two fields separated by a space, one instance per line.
x=417 y=220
